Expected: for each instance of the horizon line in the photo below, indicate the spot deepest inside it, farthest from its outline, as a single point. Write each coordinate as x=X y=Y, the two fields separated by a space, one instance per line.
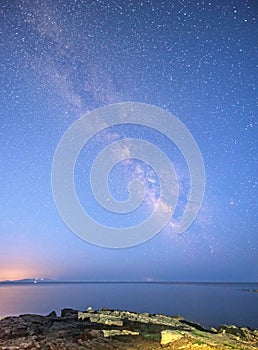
x=47 y=280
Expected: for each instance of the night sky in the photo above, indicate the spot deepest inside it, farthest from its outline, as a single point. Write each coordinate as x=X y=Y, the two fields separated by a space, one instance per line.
x=195 y=59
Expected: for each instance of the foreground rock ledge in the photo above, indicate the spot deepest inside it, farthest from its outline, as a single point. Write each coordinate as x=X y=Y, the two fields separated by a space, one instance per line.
x=114 y=329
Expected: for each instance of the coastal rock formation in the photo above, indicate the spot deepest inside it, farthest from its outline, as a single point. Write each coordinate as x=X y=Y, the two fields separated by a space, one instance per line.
x=121 y=330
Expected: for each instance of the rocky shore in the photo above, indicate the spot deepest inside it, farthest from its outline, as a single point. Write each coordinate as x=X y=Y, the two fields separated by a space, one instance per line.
x=121 y=330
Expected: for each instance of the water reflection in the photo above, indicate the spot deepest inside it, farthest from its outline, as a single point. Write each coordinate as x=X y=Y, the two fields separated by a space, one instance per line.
x=208 y=304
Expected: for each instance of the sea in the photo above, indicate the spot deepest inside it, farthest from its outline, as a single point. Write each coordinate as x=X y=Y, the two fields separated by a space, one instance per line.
x=209 y=304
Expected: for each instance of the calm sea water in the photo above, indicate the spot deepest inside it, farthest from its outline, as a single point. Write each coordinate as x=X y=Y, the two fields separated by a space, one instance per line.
x=209 y=304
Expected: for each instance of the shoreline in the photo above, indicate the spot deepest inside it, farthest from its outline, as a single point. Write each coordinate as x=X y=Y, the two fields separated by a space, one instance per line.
x=117 y=329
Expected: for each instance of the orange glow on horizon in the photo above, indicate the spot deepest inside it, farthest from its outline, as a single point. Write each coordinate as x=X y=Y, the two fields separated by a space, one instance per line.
x=16 y=274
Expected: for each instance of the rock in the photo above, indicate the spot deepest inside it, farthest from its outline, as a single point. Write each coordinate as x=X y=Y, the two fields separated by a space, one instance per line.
x=94 y=333
x=52 y=314
x=101 y=318
x=169 y=336
x=115 y=332
x=90 y=309
x=83 y=315
x=135 y=317
x=244 y=332
x=102 y=330
x=107 y=320
x=69 y=313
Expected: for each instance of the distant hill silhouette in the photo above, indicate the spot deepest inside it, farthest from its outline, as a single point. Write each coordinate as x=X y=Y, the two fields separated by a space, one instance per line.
x=27 y=280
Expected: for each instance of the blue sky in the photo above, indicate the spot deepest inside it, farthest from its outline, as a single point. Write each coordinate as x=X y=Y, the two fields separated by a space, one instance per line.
x=63 y=59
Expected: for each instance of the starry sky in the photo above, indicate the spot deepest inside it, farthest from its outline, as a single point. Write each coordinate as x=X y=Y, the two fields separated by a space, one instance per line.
x=62 y=59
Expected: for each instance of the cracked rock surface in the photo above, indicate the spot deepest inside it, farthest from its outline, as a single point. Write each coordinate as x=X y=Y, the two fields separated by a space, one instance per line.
x=114 y=329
